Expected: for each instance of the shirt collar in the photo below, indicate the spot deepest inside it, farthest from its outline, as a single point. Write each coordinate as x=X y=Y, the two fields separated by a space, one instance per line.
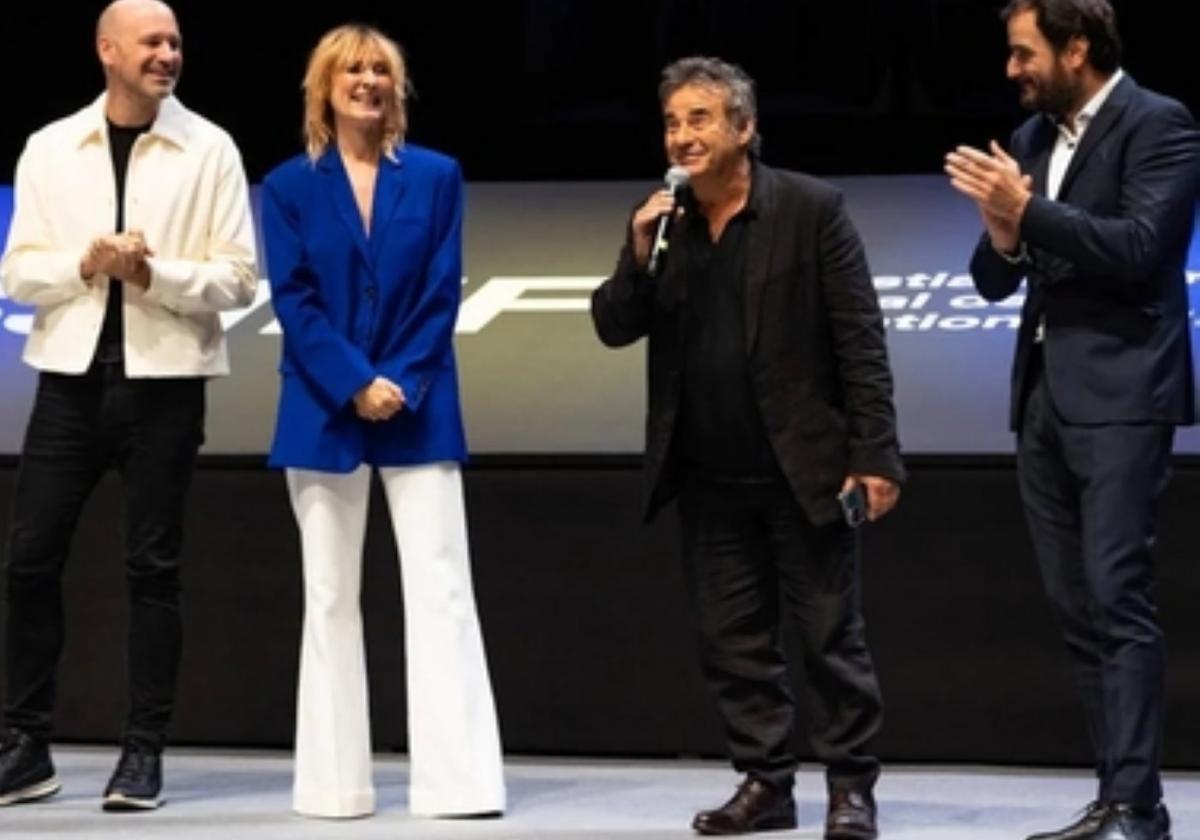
x=754 y=199
x=170 y=124
x=1088 y=112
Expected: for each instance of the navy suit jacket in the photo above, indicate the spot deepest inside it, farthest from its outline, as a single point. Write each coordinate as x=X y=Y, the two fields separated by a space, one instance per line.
x=355 y=306
x=1106 y=264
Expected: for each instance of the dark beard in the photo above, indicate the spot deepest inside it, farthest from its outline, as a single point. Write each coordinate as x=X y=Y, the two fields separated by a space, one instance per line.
x=1058 y=97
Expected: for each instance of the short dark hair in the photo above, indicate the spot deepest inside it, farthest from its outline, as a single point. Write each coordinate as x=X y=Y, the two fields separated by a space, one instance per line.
x=741 y=105
x=1061 y=20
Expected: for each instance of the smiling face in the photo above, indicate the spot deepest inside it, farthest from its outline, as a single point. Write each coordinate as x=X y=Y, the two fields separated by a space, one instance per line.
x=356 y=81
x=1048 y=80
x=141 y=50
x=698 y=133
x=361 y=91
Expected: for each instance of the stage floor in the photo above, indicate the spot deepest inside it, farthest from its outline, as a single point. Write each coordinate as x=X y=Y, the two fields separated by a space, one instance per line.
x=245 y=795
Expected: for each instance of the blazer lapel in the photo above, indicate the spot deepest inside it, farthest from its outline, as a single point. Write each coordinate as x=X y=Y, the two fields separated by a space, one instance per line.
x=759 y=240
x=336 y=185
x=1107 y=117
x=389 y=188
x=1039 y=163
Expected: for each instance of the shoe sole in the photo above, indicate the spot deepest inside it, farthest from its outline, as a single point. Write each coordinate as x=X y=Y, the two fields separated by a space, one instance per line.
x=33 y=793
x=773 y=824
x=780 y=824
x=851 y=835
x=119 y=802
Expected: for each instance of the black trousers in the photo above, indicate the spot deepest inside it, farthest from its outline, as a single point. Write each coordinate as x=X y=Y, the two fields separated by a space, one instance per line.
x=1090 y=495
x=149 y=430
x=750 y=554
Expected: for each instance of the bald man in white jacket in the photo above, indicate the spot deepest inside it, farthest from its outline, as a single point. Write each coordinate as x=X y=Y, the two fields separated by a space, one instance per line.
x=131 y=231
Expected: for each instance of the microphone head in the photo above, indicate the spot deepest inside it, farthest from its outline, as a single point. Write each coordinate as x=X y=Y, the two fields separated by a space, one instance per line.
x=676 y=177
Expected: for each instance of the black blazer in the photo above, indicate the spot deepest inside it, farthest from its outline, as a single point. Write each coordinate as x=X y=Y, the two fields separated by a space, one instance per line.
x=814 y=343
x=1106 y=263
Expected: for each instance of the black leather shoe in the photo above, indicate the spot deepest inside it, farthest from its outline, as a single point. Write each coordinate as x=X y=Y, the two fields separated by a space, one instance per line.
x=1124 y=822
x=851 y=812
x=137 y=781
x=1085 y=825
x=756 y=806
x=26 y=772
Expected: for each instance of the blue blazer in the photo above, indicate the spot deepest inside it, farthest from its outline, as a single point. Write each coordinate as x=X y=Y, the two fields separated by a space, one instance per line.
x=1106 y=264
x=354 y=307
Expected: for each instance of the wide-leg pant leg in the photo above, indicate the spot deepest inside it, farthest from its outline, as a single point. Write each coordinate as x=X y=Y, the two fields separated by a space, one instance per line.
x=333 y=730
x=453 y=737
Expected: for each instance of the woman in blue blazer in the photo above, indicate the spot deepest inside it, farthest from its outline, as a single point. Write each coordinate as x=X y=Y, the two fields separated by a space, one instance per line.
x=364 y=253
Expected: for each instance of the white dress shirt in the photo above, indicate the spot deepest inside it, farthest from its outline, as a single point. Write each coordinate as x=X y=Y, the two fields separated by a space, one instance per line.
x=1071 y=132
x=185 y=190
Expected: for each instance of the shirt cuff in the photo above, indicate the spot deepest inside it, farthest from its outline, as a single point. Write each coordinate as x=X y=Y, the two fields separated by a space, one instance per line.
x=1019 y=258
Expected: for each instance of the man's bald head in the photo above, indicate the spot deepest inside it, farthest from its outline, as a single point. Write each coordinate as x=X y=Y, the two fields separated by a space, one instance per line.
x=139 y=46
x=119 y=13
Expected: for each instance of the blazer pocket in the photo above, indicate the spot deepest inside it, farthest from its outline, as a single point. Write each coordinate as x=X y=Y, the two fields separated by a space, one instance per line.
x=409 y=220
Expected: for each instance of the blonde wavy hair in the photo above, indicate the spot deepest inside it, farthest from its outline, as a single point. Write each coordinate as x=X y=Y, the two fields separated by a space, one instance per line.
x=337 y=50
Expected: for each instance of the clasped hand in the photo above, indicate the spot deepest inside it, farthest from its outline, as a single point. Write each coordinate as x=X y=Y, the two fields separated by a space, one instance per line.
x=121 y=256
x=379 y=400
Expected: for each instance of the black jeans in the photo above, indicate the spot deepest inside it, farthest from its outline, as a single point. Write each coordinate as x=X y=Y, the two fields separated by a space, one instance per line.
x=149 y=430
x=748 y=550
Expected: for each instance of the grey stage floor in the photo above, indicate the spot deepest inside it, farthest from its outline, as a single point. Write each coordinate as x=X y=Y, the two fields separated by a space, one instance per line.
x=232 y=795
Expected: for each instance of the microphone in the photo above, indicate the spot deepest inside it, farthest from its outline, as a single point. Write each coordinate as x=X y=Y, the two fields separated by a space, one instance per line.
x=676 y=179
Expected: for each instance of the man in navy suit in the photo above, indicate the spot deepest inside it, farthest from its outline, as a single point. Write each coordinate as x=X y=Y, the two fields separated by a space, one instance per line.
x=1094 y=207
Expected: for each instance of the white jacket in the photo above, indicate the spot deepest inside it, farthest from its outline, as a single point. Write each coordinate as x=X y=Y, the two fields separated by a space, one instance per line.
x=185 y=190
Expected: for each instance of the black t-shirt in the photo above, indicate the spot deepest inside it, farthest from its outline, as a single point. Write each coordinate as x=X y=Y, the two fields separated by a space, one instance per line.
x=110 y=347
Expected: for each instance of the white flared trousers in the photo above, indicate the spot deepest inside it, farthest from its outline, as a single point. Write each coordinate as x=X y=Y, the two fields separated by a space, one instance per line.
x=453 y=740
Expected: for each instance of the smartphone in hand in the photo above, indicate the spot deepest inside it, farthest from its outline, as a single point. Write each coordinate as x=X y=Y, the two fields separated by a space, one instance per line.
x=854 y=505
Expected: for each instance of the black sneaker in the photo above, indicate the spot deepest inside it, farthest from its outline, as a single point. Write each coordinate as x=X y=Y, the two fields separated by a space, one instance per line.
x=26 y=772
x=137 y=781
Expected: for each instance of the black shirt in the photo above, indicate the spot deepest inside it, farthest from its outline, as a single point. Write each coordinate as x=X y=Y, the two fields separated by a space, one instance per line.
x=720 y=434
x=110 y=347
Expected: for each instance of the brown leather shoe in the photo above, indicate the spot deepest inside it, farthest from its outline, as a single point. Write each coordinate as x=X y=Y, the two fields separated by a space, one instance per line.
x=756 y=806
x=851 y=812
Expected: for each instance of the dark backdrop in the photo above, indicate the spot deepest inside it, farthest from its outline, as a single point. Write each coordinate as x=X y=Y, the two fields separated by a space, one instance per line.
x=566 y=89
